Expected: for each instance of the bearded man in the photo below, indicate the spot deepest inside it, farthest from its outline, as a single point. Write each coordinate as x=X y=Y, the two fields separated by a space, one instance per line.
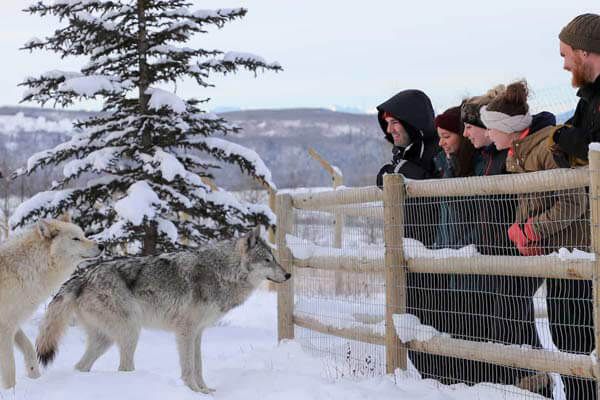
x=570 y=307
x=580 y=49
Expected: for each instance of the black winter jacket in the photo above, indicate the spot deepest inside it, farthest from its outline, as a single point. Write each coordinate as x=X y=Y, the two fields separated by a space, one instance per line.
x=584 y=125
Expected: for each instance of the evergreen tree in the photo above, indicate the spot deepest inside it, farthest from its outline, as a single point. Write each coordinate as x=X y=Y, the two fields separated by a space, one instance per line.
x=142 y=156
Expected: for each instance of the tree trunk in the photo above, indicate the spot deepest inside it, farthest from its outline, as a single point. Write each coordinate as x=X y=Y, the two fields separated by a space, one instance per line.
x=150 y=239
x=150 y=232
x=144 y=80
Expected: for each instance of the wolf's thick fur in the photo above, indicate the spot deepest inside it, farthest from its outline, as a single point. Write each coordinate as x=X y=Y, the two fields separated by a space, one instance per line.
x=32 y=266
x=183 y=292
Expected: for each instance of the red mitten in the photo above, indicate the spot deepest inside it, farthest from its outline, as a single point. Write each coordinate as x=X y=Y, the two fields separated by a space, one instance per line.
x=517 y=236
x=530 y=231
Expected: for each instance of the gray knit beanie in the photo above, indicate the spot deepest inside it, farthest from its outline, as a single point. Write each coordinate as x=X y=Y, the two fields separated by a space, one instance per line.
x=583 y=33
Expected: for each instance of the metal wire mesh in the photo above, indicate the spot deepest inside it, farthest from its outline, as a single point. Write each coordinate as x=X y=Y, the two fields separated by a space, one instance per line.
x=344 y=300
x=502 y=309
x=341 y=314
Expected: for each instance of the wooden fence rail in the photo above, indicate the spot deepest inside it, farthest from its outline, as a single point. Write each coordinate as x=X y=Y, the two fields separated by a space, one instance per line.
x=479 y=265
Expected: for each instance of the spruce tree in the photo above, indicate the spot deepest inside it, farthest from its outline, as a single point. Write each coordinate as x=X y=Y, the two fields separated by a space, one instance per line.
x=132 y=174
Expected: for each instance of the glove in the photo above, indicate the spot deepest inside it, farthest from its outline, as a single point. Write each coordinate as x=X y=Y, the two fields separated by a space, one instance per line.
x=517 y=236
x=563 y=159
x=386 y=169
x=529 y=231
x=525 y=245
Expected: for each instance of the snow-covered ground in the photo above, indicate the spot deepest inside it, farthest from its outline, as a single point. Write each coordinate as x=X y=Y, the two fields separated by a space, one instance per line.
x=242 y=360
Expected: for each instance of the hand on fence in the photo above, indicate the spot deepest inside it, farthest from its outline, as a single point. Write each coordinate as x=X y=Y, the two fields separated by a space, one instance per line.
x=386 y=169
x=517 y=236
x=529 y=231
x=525 y=245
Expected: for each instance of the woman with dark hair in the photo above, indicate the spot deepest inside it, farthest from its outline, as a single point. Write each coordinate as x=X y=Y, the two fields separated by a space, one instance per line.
x=454 y=160
x=444 y=293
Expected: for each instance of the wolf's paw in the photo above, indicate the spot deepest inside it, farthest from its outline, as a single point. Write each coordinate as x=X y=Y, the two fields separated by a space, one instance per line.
x=206 y=390
x=33 y=372
x=202 y=386
x=191 y=384
x=82 y=368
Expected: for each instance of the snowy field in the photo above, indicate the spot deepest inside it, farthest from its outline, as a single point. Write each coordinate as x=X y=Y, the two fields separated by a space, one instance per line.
x=242 y=360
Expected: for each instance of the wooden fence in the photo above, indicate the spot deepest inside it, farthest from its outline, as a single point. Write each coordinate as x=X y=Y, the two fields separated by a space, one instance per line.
x=395 y=265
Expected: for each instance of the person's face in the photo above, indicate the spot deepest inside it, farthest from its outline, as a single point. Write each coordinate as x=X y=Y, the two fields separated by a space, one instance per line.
x=577 y=64
x=502 y=140
x=477 y=136
x=399 y=134
x=449 y=141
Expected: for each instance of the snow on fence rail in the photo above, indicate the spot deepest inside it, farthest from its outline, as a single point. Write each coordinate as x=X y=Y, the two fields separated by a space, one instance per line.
x=401 y=257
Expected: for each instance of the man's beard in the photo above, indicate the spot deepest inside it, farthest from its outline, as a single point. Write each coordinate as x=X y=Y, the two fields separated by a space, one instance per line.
x=403 y=141
x=581 y=73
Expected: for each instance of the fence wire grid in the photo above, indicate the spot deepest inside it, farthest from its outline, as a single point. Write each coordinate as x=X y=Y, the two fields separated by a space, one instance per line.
x=450 y=320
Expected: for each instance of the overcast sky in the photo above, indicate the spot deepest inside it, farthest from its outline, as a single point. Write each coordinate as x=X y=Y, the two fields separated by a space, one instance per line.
x=351 y=53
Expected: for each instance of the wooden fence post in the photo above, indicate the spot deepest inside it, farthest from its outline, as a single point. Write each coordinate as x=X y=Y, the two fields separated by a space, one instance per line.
x=395 y=269
x=594 y=159
x=273 y=207
x=271 y=286
x=285 y=291
x=338 y=217
x=337 y=181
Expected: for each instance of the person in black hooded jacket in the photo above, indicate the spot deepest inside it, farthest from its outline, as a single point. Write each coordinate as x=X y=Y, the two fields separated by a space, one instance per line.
x=407 y=122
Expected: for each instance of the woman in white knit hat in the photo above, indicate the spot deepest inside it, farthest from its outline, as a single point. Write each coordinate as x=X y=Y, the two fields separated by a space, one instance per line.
x=544 y=222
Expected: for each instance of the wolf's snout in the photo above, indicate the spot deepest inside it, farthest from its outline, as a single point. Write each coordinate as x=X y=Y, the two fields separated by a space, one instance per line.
x=100 y=247
x=287 y=276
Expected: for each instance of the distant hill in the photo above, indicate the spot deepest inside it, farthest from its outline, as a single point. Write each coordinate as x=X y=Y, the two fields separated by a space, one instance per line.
x=51 y=114
x=353 y=142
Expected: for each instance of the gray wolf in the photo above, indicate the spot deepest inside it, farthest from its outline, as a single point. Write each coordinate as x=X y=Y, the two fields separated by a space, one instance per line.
x=33 y=264
x=183 y=292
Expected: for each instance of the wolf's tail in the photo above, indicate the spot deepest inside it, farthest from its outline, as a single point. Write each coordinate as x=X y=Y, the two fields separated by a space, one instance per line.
x=55 y=321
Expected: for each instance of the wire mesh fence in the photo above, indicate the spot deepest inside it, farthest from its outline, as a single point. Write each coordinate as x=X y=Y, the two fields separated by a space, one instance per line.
x=482 y=280
x=345 y=300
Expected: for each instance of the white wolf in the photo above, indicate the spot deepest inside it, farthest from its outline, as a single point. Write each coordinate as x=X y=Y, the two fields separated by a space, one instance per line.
x=33 y=264
x=183 y=292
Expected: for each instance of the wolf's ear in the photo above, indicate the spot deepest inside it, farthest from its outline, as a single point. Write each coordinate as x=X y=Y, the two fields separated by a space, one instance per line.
x=65 y=217
x=46 y=230
x=253 y=237
x=248 y=241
